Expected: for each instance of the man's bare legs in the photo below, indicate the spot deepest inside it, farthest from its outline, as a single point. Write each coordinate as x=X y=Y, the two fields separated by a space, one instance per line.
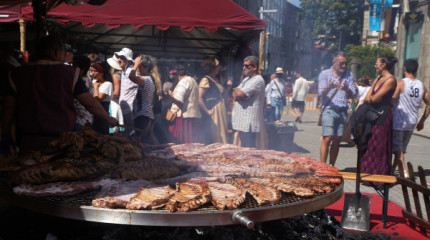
x=399 y=160
x=299 y=115
x=332 y=142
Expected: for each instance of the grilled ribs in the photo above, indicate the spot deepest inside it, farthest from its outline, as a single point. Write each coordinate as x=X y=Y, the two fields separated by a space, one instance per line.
x=189 y=196
x=225 y=196
x=151 y=197
x=118 y=195
x=59 y=171
x=262 y=193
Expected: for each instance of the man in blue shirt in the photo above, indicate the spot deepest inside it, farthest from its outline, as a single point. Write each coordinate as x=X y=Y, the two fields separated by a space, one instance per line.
x=335 y=87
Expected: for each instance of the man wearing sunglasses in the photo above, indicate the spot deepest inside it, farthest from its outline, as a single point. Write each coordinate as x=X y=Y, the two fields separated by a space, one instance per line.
x=247 y=114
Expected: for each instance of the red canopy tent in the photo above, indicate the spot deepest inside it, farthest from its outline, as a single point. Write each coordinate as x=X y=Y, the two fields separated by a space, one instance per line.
x=166 y=28
x=186 y=14
x=9 y=13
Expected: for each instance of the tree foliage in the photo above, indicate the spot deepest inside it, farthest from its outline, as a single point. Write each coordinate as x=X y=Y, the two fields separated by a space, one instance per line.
x=366 y=57
x=333 y=21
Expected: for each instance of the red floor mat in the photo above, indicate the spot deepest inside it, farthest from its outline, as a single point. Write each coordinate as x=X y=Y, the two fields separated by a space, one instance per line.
x=397 y=226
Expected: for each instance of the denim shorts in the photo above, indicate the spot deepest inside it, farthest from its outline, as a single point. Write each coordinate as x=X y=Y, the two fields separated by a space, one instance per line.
x=333 y=122
x=401 y=140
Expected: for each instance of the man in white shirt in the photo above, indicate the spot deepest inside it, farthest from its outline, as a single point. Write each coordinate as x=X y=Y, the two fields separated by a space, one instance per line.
x=247 y=114
x=300 y=90
x=407 y=97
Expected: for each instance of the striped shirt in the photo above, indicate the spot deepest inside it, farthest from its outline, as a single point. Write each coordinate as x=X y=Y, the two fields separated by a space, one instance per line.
x=144 y=96
x=340 y=100
x=247 y=114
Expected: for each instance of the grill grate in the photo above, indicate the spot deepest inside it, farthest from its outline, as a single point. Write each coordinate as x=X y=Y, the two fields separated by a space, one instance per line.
x=85 y=199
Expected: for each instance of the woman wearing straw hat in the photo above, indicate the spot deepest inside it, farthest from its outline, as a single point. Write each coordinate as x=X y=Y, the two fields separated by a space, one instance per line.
x=276 y=95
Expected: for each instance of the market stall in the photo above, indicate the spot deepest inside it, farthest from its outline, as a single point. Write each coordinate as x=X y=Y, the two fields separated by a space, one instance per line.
x=185 y=29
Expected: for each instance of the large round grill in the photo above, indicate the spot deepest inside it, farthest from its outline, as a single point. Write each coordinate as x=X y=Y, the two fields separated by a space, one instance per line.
x=79 y=207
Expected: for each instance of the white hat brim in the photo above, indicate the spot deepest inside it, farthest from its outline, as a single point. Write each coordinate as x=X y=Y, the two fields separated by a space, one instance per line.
x=113 y=63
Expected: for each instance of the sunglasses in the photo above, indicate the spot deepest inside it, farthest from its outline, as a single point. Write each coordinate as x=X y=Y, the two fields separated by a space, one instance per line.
x=248 y=66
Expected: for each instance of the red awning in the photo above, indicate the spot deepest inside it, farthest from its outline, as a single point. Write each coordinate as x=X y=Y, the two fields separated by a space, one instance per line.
x=186 y=14
x=10 y=13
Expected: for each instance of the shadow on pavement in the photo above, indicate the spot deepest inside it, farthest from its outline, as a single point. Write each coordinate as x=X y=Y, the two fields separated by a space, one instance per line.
x=294 y=148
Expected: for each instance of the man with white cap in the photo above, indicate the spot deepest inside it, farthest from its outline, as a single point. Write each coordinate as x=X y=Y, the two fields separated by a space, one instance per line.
x=128 y=88
x=276 y=95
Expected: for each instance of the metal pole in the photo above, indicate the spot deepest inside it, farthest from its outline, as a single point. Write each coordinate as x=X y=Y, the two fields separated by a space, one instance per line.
x=354 y=65
x=22 y=34
x=263 y=37
x=382 y=7
x=260 y=57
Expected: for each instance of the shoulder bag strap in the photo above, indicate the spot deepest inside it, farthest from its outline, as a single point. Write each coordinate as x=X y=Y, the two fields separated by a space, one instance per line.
x=331 y=97
x=278 y=88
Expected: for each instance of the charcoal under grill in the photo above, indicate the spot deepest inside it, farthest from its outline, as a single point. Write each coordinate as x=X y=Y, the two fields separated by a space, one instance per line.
x=79 y=207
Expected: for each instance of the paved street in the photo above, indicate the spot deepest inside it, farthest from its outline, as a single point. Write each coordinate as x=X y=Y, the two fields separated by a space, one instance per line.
x=307 y=143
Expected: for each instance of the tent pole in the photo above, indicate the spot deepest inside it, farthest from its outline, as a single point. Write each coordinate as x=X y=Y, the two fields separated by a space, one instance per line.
x=260 y=55
x=22 y=33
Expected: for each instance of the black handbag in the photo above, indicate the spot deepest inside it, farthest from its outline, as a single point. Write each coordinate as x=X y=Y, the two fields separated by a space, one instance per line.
x=212 y=96
x=372 y=114
x=368 y=112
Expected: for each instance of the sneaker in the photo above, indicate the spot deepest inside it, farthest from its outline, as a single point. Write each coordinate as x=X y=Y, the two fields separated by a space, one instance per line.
x=297 y=119
x=405 y=174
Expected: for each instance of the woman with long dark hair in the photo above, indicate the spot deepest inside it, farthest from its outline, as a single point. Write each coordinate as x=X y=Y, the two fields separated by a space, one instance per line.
x=103 y=91
x=377 y=158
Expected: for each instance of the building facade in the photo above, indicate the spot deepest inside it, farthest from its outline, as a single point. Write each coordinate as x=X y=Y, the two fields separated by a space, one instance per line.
x=407 y=27
x=413 y=38
x=285 y=45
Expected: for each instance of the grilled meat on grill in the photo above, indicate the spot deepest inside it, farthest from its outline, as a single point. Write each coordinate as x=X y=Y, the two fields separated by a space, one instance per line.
x=263 y=194
x=59 y=171
x=118 y=195
x=225 y=196
x=148 y=168
x=189 y=196
x=151 y=197
x=62 y=188
x=282 y=184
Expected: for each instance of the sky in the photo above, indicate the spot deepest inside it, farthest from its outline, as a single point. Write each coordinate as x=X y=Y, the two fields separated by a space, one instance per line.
x=295 y=2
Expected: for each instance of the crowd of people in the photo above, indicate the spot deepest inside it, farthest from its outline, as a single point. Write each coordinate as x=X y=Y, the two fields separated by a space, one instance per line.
x=57 y=91
x=387 y=111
